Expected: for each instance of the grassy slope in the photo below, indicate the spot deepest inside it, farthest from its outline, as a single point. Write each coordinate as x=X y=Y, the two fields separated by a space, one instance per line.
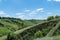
x=53 y=30
x=8 y=25
x=25 y=22
x=11 y=25
x=19 y=31
x=49 y=38
x=36 y=21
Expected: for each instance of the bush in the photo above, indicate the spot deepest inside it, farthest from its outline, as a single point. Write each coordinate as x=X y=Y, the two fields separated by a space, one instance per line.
x=50 y=18
x=45 y=31
x=57 y=16
x=12 y=36
x=38 y=34
x=4 y=31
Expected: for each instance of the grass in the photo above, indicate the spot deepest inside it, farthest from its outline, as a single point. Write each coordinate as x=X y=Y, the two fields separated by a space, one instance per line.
x=22 y=30
x=18 y=32
x=53 y=30
x=49 y=38
x=49 y=35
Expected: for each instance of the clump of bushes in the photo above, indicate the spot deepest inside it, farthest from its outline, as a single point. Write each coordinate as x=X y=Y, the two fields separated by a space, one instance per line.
x=12 y=36
x=53 y=17
x=50 y=18
x=38 y=34
x=4 y=31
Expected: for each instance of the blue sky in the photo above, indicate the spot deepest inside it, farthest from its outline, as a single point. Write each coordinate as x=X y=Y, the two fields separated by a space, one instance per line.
x=29 y=9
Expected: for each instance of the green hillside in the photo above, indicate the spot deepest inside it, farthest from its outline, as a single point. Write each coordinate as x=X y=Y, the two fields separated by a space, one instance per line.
x=17 y=29
x=49 y=38
x=8 y=25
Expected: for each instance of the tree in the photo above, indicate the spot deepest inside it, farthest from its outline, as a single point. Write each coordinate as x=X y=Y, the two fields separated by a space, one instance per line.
x=57 y=16
x=50 y=18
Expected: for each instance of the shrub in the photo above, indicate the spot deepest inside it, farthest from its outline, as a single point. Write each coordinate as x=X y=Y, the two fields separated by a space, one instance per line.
x=38 y=34
x=45 y=31
x=12 y=36
x=57 y=16
x=50 y=18
x=4 y=31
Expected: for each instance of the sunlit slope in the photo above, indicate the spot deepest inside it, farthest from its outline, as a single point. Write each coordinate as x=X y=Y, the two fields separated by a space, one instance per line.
x=8 y=25
x=49 y=38
x=33 y=32
x=28 y=32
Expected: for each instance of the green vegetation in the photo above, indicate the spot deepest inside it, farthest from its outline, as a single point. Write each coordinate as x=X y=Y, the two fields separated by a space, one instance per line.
x=8 y=25
x=36 y=21
x=53 y=30
x=17 y=29
x=38 y=34
x=50 y=18
x=49 y=38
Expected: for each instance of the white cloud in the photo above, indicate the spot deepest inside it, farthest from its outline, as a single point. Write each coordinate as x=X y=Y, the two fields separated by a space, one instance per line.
x=26 y=10
x=49 y=0
x=54 y=0
x=30 y=14
x=19 y=13
x=21 y=16
x=37 y=10
x=49 y=13
x=2 y=13
x=7 y=16
x=57 y=0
